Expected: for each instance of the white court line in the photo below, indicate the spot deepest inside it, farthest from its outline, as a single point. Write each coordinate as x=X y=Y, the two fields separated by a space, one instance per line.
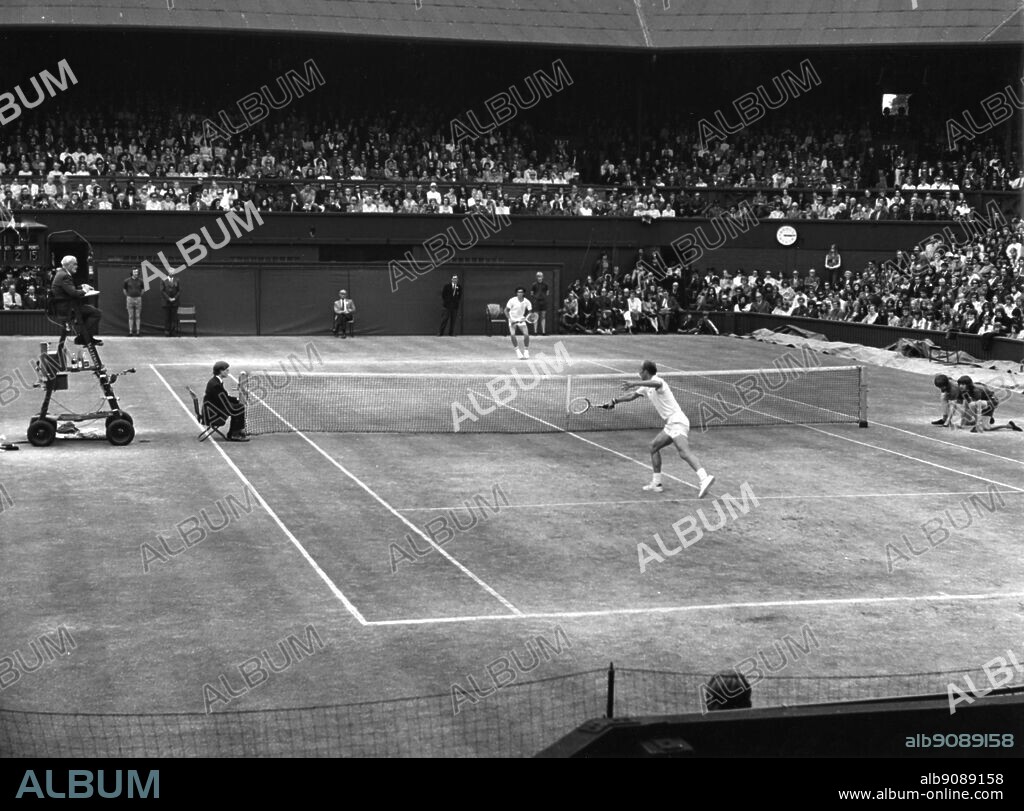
x=242 y=362
x=813 y=496
x=392 y=510
x=913 y=458
x=378 y=363
x=614 y=612
x=644 y=465
x=295 y=541
x=951 y=444
x=897 y=453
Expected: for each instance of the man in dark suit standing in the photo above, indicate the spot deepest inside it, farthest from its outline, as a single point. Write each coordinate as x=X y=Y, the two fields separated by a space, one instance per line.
x=67 y=297
x=170 y=291
x=218 y=405
x=451 y=297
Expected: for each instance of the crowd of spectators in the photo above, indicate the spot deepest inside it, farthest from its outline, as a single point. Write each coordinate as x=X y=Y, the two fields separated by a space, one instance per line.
x=974 y=285
x=26 y=288
x=409 y=163
x=647 y=296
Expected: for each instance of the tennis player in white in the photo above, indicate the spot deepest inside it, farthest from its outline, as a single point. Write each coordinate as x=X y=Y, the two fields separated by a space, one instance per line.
x=676 y=430
x=516 y=310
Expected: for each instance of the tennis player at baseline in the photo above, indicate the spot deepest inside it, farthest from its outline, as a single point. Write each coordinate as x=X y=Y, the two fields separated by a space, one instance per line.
x=676 y=430
x=516 y=310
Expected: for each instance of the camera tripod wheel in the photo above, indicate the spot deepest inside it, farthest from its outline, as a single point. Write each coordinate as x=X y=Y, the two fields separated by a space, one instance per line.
x=41 y=432
x=120 y=431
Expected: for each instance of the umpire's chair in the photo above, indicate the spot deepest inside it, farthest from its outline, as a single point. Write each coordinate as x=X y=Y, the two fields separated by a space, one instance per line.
x=66 y=317
x=53 y=371
x=210 y=426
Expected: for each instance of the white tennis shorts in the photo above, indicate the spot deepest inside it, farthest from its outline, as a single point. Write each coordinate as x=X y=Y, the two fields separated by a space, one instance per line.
x=678 y=426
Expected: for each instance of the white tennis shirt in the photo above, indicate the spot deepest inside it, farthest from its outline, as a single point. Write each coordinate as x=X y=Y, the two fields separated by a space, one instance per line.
x=517 y=309
x=663 y=400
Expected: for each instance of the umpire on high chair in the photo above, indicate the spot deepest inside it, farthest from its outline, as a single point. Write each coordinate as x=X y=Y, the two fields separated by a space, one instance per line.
x=68 y=298
x=218 y=405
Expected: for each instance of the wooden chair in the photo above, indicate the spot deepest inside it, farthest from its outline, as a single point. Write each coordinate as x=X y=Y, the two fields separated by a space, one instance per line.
x=210 y=427
x=350 y=328
x=494 y=315
x=187 y=315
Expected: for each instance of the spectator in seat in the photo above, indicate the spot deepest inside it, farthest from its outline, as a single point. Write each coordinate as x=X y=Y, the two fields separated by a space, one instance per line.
x=30 y=300
x=761 y=304
x=668 y=309
x=650 y=313
x=12 y=301
x=571 y=314
x=698 y=324
x=605 y=312
x=588 y=311
x=632 y=312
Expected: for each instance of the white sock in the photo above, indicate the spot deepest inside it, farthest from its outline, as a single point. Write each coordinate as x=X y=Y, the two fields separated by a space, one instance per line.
x=656 y=478
x=702 y=474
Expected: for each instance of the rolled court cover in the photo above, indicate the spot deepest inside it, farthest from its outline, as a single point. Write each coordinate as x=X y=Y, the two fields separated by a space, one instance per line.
x=521 y=402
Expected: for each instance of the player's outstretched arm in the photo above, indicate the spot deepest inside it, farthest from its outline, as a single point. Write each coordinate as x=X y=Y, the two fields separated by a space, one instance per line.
x=625 y=398
x=641 y=384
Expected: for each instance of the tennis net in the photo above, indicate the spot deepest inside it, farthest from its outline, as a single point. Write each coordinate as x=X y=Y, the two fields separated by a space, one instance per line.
x=521 y=402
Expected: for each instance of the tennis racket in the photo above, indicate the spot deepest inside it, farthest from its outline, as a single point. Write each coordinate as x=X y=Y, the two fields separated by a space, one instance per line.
x=532 y=319
x=581 y=405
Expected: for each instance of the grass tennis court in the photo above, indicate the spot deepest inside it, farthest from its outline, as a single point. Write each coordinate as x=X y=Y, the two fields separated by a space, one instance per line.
x=532 y=536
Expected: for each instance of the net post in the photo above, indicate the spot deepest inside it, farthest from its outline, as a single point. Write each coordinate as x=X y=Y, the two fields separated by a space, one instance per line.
x=863 y=381
x=610 y=707
x=243 y=394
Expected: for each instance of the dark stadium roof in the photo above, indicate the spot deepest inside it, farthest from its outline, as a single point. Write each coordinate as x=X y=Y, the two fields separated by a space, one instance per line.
x=629 y=24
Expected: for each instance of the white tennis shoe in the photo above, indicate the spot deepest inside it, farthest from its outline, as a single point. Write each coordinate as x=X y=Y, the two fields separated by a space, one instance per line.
x=519 y=353
x=705 y=486
x=654 y=487
x=526 y=353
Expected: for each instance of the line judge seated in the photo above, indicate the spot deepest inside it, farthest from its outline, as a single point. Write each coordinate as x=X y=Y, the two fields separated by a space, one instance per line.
x=344 y=310
x=67 y=298
x=218 y=405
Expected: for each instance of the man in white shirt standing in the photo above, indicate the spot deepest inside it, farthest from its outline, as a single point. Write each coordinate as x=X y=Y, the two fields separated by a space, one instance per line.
x=675 y=432
x=516 y=310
